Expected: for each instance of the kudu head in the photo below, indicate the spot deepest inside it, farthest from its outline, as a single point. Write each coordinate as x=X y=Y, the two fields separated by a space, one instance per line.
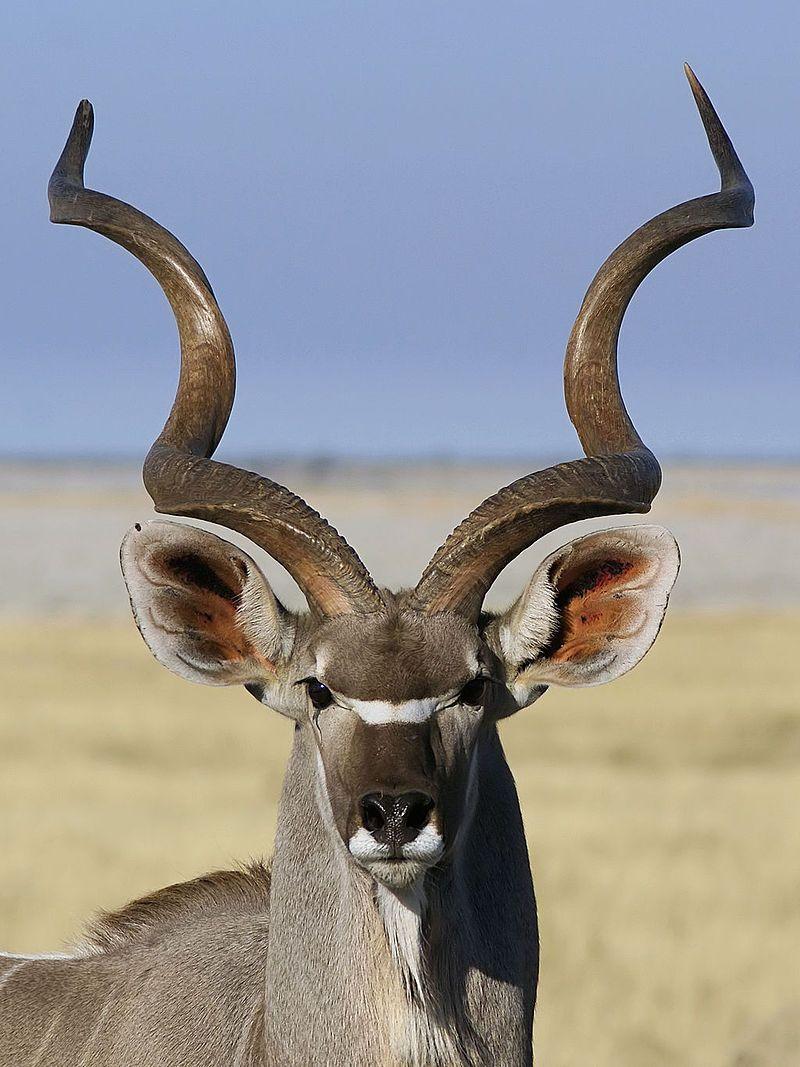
x=395 y=689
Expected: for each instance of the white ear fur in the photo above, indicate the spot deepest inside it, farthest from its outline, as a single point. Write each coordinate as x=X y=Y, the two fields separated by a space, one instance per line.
x=202 y=605
x=591 y=610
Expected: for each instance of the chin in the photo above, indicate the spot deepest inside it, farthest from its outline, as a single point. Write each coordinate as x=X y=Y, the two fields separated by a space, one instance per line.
x=397 y=874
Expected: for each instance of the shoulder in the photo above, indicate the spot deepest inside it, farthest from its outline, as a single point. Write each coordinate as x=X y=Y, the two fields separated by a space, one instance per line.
x=220 y=896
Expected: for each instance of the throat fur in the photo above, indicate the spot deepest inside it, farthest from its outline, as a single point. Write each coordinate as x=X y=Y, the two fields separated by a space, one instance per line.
x=420 y=1035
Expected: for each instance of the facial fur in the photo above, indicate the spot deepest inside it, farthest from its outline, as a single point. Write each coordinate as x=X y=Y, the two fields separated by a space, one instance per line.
x=396 y=700
x=396 y=738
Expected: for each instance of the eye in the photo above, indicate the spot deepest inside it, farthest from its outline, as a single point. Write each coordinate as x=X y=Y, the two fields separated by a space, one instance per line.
x=319 y=694
x=473 y=692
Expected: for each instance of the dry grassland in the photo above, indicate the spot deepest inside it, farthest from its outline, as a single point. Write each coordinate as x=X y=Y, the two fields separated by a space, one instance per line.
x=662 y=813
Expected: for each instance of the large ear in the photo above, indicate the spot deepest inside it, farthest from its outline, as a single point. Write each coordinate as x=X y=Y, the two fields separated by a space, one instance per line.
x=590 y=612
x=202 y=605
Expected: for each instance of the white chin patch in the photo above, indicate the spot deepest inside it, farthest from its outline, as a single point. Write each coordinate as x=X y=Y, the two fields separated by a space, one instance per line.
x=427 y=846
x=398 y=872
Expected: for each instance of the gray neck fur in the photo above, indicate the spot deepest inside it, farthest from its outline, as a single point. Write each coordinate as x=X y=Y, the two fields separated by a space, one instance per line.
x=336 y=978
x=322 y=967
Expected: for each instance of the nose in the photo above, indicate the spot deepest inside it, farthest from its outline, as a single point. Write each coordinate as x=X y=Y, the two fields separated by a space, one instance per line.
x=395 y=819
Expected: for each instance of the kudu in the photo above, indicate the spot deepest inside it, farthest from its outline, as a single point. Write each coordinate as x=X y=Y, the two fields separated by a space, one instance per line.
x=396 y=923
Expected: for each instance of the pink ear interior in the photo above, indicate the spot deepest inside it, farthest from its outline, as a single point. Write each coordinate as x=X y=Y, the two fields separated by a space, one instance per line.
x=201 y=596
x=595 y=599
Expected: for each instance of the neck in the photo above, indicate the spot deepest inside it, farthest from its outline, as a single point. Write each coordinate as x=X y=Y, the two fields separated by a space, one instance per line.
x=443 y=973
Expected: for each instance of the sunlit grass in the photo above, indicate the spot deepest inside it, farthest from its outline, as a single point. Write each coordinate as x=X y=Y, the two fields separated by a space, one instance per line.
x=662 y=813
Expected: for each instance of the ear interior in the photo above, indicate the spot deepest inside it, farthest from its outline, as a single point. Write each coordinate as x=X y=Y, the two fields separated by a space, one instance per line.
x=201 y=604
x=599 y=598
x=592 y=609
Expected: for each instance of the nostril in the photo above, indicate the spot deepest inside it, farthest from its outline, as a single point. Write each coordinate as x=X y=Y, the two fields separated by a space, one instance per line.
x=418 y=810
x=373 y=813
x=395 y=819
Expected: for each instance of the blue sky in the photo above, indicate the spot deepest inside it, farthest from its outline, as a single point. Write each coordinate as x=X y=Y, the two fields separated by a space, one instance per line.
x=399 y=207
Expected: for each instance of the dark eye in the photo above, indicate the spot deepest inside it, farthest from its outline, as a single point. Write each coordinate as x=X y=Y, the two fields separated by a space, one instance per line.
x=473 y=692
x=319 y=694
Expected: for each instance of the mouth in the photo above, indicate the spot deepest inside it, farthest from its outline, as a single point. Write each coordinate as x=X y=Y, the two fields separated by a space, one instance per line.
x=401 y=865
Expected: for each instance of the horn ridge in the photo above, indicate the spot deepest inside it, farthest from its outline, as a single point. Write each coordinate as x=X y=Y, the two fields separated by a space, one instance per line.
x=178 y=472
x=619 y=474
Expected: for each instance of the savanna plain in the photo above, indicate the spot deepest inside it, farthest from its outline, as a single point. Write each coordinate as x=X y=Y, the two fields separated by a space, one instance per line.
x=661 y=810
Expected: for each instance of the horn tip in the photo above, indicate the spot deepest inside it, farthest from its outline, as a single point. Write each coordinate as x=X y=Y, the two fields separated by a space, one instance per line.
x=80 y=135
x=68 y=172
x=698 y=92
x=84 y=119
x=728 y=163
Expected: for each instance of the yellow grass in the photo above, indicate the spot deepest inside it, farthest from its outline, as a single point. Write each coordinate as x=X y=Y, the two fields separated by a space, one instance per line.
x=662 y=813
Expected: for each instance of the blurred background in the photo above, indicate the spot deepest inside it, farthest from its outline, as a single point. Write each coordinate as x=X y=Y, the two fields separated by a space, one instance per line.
x=400 y=209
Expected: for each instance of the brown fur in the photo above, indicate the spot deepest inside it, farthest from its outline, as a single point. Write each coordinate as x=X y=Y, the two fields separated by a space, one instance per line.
x=171 y=980
x=398 y=656
x=238 y=892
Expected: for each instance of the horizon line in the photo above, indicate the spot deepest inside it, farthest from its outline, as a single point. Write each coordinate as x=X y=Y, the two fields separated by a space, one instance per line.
x=342 y=459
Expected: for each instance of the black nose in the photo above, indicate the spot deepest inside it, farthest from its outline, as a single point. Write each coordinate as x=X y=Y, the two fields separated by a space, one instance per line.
x=395 y=820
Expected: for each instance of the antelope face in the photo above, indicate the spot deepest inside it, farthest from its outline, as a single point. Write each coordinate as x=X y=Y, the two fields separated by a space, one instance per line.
x=395 y=702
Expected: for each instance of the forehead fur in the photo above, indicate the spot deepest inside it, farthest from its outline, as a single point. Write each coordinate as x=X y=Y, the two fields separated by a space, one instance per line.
x=397 y=655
